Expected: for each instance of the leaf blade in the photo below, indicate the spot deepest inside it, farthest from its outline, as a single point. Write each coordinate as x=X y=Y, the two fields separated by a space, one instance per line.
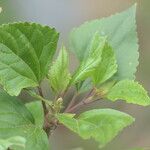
x=16 y=120
x=121 y=32
x=92 y=60
x=59 y=75
x=19 y=55
x=107 y=67
x=13 y=142
x=37 y=112
x=130 y=91
x=101 y=124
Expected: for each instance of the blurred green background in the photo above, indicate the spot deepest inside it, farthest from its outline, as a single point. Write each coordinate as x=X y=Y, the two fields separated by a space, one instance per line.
x=64 y=15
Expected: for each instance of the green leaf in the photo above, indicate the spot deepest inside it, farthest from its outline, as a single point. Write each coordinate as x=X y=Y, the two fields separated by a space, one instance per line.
x=101 y=124
x=59 y=75
x=121 y=32
x=130 y=91
x=105 y=70
x=36 y=110
x=16 y=120
x=92 y=60
x=26 y=51
x=107 y=67
x=13 y=143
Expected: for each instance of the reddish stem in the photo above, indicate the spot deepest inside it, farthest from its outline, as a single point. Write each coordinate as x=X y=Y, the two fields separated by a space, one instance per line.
x=82 y=103
x=85 y=101
x=72 y=102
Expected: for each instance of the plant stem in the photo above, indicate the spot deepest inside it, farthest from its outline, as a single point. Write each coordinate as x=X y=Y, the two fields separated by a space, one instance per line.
x=85 y=101
x=82 y=103
x=46 y=128
x=43 y=103
x=33 y=94
x=71 y=102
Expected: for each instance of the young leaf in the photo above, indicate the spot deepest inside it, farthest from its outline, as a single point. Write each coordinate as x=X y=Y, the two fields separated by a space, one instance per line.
x=130 y=91
x=92 y=60
x=16 y=120
x=36 y=110
x=107 y=67
x=59 y=75
x=121 y=32
x=26 y=51
x=101 y=124
x=105 y=70
x=14 y=143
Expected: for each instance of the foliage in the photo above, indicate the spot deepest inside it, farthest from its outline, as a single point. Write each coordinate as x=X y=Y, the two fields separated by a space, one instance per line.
x=59 y=75
x=121 y=32
x=17 y=120
x=104 y=124
x=13 y=143
x=108 y=56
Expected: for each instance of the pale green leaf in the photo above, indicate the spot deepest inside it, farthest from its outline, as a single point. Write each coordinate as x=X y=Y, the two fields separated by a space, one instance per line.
x=130 y=91
x=36 y=110
x=13 y=143
x=26 y=51
x=59 y=75
x=81 y=127
x=101 y=124
x=107 y=67
x=121 y=32
x=91 y=60
x=16 y=120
